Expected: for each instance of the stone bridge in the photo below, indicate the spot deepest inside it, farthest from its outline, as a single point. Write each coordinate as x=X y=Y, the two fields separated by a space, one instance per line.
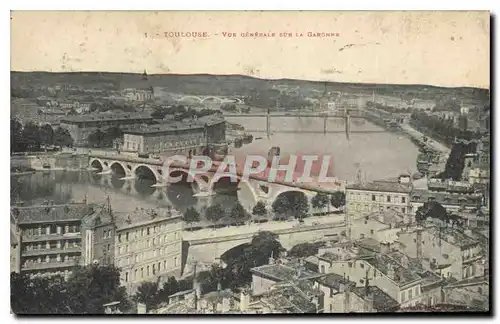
x=202 y=99
x=254 y=189
x=208 y=250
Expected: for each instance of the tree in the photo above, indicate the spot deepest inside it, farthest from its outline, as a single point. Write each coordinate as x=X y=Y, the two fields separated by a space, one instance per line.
x=259 y=209
x=31 y=134
x=47 y=135
x=431 y=209
x=304 y=250
x=62 y=137
x=147 y=293
x=191 y=215
x=214 y=213
x=291 y=203
x=338 y=199
x=210 y=280
x=92 y=286
x=320 y=200
x=159 y=113
x=238 y=213
x=16 y=136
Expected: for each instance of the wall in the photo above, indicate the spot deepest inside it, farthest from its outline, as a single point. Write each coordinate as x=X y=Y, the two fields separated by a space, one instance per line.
x=160 y=251
x=363 y=202
x=466 y=295
x=260 y=284
x=56 y=161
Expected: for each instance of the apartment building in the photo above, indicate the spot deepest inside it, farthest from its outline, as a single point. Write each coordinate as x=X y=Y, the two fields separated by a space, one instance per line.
x=49 y=237
x=148 y=245
x=98 y=236
x=448 y=251
x=452 y=202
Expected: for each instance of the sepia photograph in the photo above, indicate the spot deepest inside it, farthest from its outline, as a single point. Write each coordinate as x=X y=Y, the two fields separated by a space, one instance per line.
x=250 y=162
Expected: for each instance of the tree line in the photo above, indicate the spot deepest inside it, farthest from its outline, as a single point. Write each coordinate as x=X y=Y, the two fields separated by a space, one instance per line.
x=180 y=112
x=32 y=137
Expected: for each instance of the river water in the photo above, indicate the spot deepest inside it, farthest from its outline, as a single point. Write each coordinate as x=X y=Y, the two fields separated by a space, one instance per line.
x=378 y=155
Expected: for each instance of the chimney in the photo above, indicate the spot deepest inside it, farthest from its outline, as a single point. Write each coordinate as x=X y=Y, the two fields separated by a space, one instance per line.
x=244 y=300
x=419 y=244
x=141 y=308
x=226 y=304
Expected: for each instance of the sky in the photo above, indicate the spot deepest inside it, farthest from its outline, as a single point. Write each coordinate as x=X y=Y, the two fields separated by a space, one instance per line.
x=435 y=48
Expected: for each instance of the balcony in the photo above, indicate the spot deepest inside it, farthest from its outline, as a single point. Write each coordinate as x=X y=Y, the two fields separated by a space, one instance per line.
x=51 y=237
x=48 y=265
x=51 y=251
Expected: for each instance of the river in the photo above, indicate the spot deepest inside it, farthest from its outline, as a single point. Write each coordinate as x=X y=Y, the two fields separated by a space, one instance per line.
x=378 y=155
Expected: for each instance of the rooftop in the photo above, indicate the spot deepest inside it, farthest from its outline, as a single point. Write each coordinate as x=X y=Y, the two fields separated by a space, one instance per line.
x=453 y=236
x=288 y=299
x=392 y=269
x=381 y=301
x=445 y=198
x=169 y=126
x=280 y=272
x=142 y=216
x=334 y=280
x=105 y=117
x=382 y=186
x=50 y=213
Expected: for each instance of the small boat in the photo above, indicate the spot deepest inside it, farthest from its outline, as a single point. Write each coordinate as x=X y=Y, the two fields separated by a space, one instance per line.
x=258 y=138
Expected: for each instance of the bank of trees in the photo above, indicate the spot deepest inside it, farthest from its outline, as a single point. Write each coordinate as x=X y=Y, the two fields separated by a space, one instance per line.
x=105 y=138
x=151 y=294
x=456 y=161
x=85 y=291
x=32 y=137
x=180 y=112
x=236 y=214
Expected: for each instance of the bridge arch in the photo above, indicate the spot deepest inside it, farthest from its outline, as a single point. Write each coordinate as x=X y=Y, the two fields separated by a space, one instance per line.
x=143 y=170
x=219 y=100
x=191 y=97
x=118 y=169
x=97 y=164
x=247 y=195
x=197 y=184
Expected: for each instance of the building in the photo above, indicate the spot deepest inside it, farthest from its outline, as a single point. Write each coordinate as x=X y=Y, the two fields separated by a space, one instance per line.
x=361 y=265
x=49 y=236
x=382 y=226
x=370 y=299
x=80 y=127
x=452 y=202
x=478 y=175
x=138 y=94
x=365 y=198
x=335 y=290
x=189 y=137
x=471 y=292
x=264 y=277
x=148 y=245
x=98 y=236
x=447 y=251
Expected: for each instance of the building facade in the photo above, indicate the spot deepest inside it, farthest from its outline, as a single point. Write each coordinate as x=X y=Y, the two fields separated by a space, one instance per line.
x=188 y=137
x=80 y=127
x=148 y=246
x=50 y=239
x=98 y=233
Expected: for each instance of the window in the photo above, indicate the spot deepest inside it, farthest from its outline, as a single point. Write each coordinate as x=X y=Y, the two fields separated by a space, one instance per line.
x=109 y=247
x=410 y=294
x=148 y=230
x=371 y=231
x=126 y=248
x=135 y=274
x=361 y=281
x=148 y=243
x=322 y=269
x=331 y=308
x=154 y=269
x=362 y=265
x=142 y=272
x=164 y=264
x=349 y=264
x=165 y=239
x=147 y=271
x=403 y=210
x=332 y=292
x=159 y=266
x=104 y=234
x=403 y=200
x=143 y=232
x=403 y=296
x=126 y=237
x=480 y=290
x=388 y=198
x=126 y=276
x=175 y=262
x=417 y=290
x=119 y=238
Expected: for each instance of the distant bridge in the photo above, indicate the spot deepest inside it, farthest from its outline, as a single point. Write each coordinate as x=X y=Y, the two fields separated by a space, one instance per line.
x=202 y=99
x=316 y=131
x=311 y=115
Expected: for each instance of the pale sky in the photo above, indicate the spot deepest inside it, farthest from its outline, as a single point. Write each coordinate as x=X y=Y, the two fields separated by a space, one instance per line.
x=437 y=48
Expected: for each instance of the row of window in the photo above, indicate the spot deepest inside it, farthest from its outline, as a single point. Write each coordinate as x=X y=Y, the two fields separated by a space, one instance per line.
x=145 y=244
x=49 y=259
x=379 y=198
x=52 y=245
x=411 y=293
x=53 y=229
x=143 y=232
x=148 y=271
x=150 y=254
x=367 y=208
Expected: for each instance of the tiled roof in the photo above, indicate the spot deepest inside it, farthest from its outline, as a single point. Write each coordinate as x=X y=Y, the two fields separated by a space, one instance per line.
x=105 y=117
x=50 y=213
x=381 y=186
x=334 y=280
x=175 y=125
x=280 y=272
x=400 y=275
x=445 y=198
x=453 y=236
x=381 y=301
x=288 y=298
x=142 y=216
